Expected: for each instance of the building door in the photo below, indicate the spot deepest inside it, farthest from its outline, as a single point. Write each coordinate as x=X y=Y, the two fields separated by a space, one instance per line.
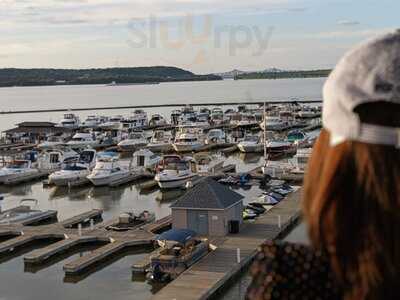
x=198 y=221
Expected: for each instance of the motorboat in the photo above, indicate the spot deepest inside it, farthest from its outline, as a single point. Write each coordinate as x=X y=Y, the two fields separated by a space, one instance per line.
x=309 y=112
x=70 y=121
x=135 y=140
x=206 y=163
x=21 y=169
x=83 y=140
x=297 y=137
x=24 y=213
x=91 y=122
x=51 y=142
x=276 y=169
x=251 y=144
x=275 y=123
x=51 y=160
x=216 y=136
x=75 y=173
x=180 y=249
x=107 y=170
x=157 y=120
x=217 y=117
x=276 y=147
x=175 y=116
x=137 y=120
x=189 y=138
x=144 y=159
x=174 y=171
x=243 y=119
x=161 y=141
x=112 y=123
x=300 y=160
x=130 y=221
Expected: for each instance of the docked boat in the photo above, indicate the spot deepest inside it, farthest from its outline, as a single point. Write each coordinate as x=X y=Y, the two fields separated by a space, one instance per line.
x=300 y=160
x=137 y=120
x=83 y=140
x=187 y=142
x=75 y=173
x=180 y=249
x=24 y=213
x=135 y=140
x=175 y=116
x=280 y=147
x=70 y=121
x=51 y=160
x=18 y=170
x=157 y=120
x=107 y=170
x=51 y=142
x=174 y=172
x=216 y=136
x=112 y=123
x=309 y=112
x=275 y=123
x=161 y=141
x=243 y=119
x=91 y=122
x=207 y=164
x=251 y=144
x=130 y=221
x=144 y=159
x=297 y=137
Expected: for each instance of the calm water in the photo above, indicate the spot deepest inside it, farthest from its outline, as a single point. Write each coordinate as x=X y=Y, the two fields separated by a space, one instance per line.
x=21 y=98
x=114 y=279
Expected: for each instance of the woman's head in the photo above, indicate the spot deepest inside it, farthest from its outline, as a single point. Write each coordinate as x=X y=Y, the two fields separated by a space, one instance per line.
x=352 y=188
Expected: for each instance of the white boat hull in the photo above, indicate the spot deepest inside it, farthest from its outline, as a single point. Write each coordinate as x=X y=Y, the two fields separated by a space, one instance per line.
x=72 y=179
x=160 y=147
x=174 y=183
x=107 y=179
x=187 y=147
x=250 y=148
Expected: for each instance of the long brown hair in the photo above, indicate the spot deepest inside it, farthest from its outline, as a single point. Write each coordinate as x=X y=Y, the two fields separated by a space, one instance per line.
x=351 y=203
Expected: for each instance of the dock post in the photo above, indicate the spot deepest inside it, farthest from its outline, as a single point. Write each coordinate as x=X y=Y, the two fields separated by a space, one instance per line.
x=91 y=224
x=238 y=255
x=80 y=229
x=279 y=221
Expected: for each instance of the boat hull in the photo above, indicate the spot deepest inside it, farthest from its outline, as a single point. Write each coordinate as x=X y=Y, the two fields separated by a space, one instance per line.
x=186 y=147
x=173 y=183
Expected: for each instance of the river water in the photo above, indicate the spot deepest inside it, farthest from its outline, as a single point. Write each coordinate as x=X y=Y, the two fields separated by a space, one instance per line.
x=113 y=279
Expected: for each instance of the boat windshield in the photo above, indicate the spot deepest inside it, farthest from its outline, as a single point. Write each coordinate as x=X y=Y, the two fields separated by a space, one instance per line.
x=135 y=136
x=186 y=140
x=17 y=165
x=74 y=167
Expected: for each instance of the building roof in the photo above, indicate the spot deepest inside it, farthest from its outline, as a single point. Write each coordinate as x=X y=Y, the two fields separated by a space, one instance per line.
x=36 y=124
x=208 y=194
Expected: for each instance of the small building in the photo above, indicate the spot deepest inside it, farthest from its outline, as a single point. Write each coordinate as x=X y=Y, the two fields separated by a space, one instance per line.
x=208 y=208
x=34 y=132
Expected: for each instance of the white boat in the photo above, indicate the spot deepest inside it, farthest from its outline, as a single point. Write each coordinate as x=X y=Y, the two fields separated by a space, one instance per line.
x=174 y=172
x=309 y=112
x=216 y=136
x=107 y=170
x=75 y=173
x=207 y=164
x=157 y=120
x=112 y=123
x=275 y=123
x=144 y=159
x=251 y=144
x=189 y=138
x=279 y=146
x=300 y=160
x=91 y=122
x=135 y=140
x=83 y=140
x=175 y=116
x=70 y=121
x=51 y=142
x=52 y=160
x=137 y=120
x=161 y=141
x=18 y=170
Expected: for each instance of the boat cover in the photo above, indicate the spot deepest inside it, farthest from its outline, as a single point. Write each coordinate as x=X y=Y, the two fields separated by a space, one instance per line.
x=177 y=235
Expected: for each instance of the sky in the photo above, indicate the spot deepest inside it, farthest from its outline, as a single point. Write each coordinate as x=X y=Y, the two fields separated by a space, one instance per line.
x=202 y=36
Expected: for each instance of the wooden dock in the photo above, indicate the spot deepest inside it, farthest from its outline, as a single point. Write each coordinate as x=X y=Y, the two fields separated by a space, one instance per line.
x=68 y=234
x=212 y=273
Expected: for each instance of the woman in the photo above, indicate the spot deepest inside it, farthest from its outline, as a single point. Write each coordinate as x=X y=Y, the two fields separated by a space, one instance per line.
x=351 y=199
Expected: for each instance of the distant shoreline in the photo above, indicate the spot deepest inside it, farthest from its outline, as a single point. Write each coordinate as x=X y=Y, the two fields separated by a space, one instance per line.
x=284 y=75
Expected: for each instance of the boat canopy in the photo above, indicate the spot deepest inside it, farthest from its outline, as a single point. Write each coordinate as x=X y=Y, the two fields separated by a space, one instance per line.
x=180 y=236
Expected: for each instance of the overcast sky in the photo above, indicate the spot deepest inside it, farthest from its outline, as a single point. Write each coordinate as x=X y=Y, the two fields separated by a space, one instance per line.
x=203 y=36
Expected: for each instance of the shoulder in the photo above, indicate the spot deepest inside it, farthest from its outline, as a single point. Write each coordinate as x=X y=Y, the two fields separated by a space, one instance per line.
x=291 y=271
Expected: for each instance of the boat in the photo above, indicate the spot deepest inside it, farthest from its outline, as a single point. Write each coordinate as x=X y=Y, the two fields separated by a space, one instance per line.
x=297 y=137
x=206 y=163
x=144 y=159
x=112 y=123
x=51 y=142
x=217 y=117
x=18 y=170
x=135 y=140
x=137 y=120
x=188 y=138
x=275 y=123
x=130 y=221
x=251 y=144
x=175 y=116
x=91 y=122
x=83 y=140
x=280 y=147
x=300 y=160
x=309 y=112
x=174 y=172
x=216 y=136
x=161 y=141
x=243 y=119
x=70 y=121
x=24 y=213
x=179 y=249
x=75 y=173
x=51 y=160
x=157 y=120
x=107 y=170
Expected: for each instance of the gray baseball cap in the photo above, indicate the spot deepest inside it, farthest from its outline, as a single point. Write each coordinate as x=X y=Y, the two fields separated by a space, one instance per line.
x=368 y=73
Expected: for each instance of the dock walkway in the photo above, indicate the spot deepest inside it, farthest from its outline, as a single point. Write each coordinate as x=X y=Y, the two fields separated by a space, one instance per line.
x=204 y=279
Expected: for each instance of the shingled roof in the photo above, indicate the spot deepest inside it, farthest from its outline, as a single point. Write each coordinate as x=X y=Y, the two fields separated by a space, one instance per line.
x=208 y=194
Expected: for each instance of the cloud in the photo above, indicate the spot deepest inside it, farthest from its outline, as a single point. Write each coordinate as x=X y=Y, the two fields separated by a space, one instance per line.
x=348 y=23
